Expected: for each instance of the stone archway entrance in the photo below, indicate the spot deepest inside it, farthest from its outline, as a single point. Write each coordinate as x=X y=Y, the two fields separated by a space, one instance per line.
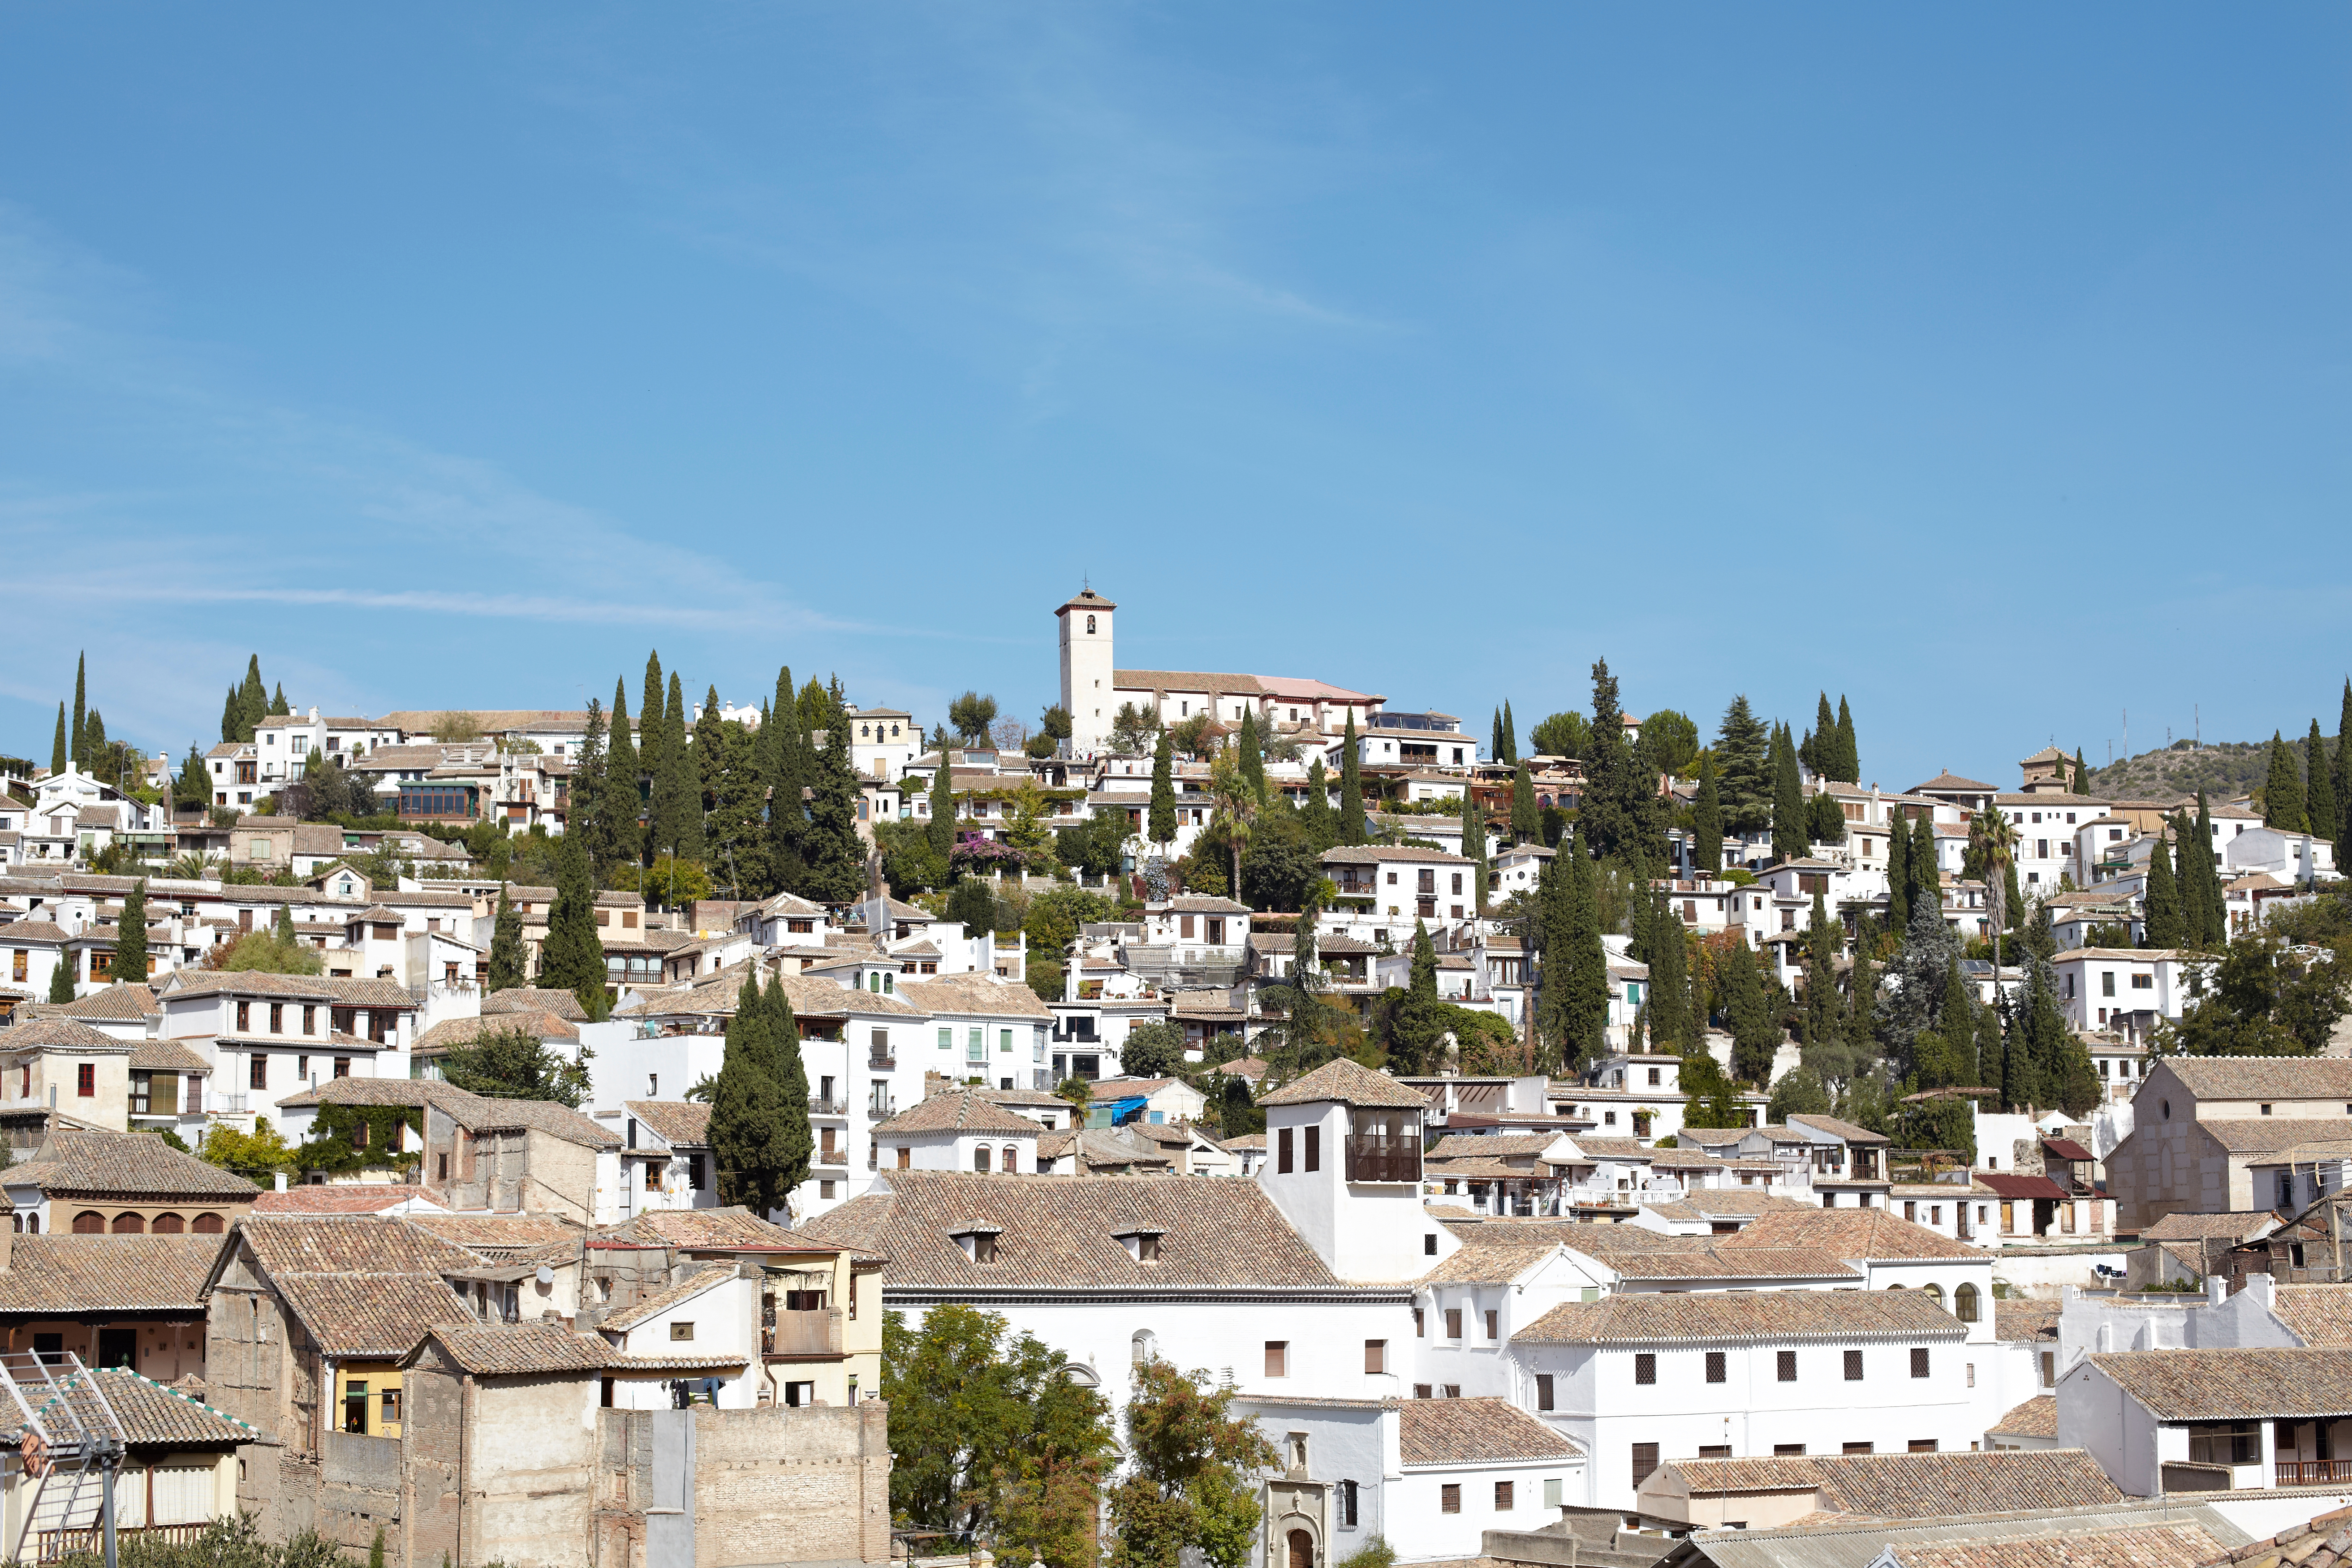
x=1302 y=1550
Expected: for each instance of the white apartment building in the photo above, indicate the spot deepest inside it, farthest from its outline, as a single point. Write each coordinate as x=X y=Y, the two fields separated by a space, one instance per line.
x=2124 y=990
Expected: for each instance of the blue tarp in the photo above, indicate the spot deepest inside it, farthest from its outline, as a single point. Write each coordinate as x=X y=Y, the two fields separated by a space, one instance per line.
x=1112 y=1113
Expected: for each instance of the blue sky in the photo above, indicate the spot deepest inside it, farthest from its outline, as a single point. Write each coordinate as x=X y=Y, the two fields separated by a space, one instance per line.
x=1991 y=367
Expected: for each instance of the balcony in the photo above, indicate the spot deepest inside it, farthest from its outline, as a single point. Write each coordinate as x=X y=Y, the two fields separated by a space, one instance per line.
x=820 y=1106
x=881 y=1062
x=833 y=1157
x=803 y=1334
x=1382 y=1160
x=2313 y=1472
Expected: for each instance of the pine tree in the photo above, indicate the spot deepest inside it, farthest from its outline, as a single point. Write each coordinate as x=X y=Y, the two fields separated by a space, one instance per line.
x=836 y=856
x=571 y=958
x=623 y=800
x=1745 y=780
x=2283 y=794
x=1822 y=1011
x=2319 y=786
x=1251 y=760
x=192 y=787
x=131 y=937
x=80 y=751
x=1351 y=787
x=1510 y=750
x=1161 y=816
x=1898 y=870
x=1584 y=1014
x=1706 y=821
x=1849 y=763
x=61 y=752
x=2161 y=926
x=1527 y=818
x=1788 y=800
x=507 y=955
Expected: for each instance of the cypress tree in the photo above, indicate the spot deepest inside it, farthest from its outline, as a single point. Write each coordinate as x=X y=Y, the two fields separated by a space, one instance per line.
x=1547 y=942
x=2319 y=786
x=252 y=699
x=61 y=976
x=754 y=1118
x=1584 y=1015
x=1162 y=816
x=1849 y=767
x=1474 y=846
x=942 y=829
x=278 y=703
x=1251 y=760
x=2161 y=925
x=80 y=752
x=131 y=937
x=652 y=733
x=1620 y=817
x=60 y=754
x=2082 y=773
x=228 y=716
x=1788 y=799
x=2283 y=794
x=1706 y=821
x=788 y=784
x=93 y=739
x=507 y=955
x=1898 y=872
x=2184 y=881
x=1417 y=1022
x=1351 y=787
x=1527 y=820
x=1672 y=1022
x=1322 y=827
x=1822 y=1011
x=192 y=787
x=571 y=958
x=1819 y=755
x=624 y=799
x=1861 y=1002
x=2215 y=920
x=1510 y=751
x=2342 y=826
x=1927 y=890
x=1495 y=747
x=1755 y=1039
x=677 y=788
x=836 y=856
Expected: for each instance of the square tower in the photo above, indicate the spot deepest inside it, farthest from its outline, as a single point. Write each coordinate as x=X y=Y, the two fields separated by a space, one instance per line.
x=1087 y=673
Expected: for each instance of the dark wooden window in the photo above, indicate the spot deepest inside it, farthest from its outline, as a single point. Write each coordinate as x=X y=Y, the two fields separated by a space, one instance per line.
x=1502 y=1497
x=1788 y=1366
x=1918 y=1363
x=1449 y=1498
x=1645 y=1460
x=1645 y=1368
x=1717 y=1366
x=1853 y=1366
x=1543 y=1390
x=1282 y=1151
x=1314 y=1148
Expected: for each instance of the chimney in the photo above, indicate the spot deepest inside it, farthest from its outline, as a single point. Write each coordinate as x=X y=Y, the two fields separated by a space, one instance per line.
x=2263 y=1288
x=2217 y=1289
x=282 y=1181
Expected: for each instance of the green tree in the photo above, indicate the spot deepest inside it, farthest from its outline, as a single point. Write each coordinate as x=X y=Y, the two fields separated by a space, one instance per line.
x=1824 y=818
x=1898 y=869
x=971 y=714
x=1706 y=821
x=278 y=708
x=678 y=787
x=130 y=936
x=1252 y=761
x=259 y=1155
x=1673 y=738
x=1788 y=800
x=1351 y=787
x=1153 y=1050
x=1822 y=1013
x=2082 y=785
x=1584 y=964
x=588 y=812
x=1416 y=1025
x=835 y=855
x=508 y=1064
x=1744 y=777
x=506 y=954
x=2161 y=928
x=2211 y=923
x=192 y=787
x=1714 y=1096
x=1507 y=732
x=1619 y=816
x=252 y=701
x=60 y=753
x=1193 y=1485
x=1161 y=819
x=2283 y=794
x=1674 y=1021
x=942 y=826
x=1315 y=813
x=788 y=764
x=1754 y=1037
x=2342 y=827
x=2264 y=998
x=1564 y=735
x=229 y=711
x=571 y=958
x=734 y=793
x=277 y=951
x=1279 y=868
x=759 y=1105
x=1820 y=748
x=653 y=741
x=623 y=801
x=1926 y=883
x=2319 y=786
x=1797 y=1093
x=1527 y=820
x=80 y=752
x=1849 y=767
x=62 y=975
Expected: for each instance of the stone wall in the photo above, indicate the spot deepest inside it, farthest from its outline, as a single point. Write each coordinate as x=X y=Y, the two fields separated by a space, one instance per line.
x=769 y=1485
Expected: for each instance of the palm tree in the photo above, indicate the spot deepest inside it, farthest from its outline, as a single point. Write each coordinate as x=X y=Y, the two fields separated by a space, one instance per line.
x=191 y=867
x=1993 y=838
x=1236 y=809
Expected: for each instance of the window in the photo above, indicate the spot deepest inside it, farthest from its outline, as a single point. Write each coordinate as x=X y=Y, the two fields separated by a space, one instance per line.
x=2108 y=983
x=1453 y=1322
x=1787 y=1450
x=1277 y=1358
x=1645 y=1368
x=1788 y=1366
x=1420 y=1326
x=1717 y=1369
x=1923 y=1445
x=244 y=1017
x=1314 y=1148
x=1421 y=1390
x=1853 y=1366
x=1645 y=1460
x=86 y=1079
x=1449 y=1498
x=1502 y=1497
x=2049 y=1369
x=1715 y=1451
x=1451 y=1391
x=1429 y=1242
x=1543 y=1390
x=1493 y=1332
x=310 y=1020
x=1918 y=1363
x=681 y=1331
x=2223 y=1442
x=1282 y=1151
x=257 y=1071
x=355 y=1407
x=1859 y=1448
x=1348 y=1516
x=391 y=1406
x=1376 y=1355
x=983 y=1247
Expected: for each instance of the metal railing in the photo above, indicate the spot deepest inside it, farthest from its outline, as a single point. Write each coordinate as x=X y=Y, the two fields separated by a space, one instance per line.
x=820 y=1106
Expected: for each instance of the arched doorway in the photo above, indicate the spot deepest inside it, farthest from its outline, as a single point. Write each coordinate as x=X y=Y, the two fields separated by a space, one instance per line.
x=1302 y=1550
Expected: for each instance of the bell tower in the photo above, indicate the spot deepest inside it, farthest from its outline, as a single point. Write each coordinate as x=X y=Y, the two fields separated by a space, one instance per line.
x=1086 y=669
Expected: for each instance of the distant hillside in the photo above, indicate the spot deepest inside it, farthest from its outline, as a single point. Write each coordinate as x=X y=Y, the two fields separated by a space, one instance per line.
x=2221 y=769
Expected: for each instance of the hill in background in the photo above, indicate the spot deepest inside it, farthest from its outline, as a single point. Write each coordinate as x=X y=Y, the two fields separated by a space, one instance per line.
x=2221 y=769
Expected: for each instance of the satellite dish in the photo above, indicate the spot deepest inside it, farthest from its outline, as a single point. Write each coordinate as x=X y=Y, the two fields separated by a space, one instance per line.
x=546 y=1275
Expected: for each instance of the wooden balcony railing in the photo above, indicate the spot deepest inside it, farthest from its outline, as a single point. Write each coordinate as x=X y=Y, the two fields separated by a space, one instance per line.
x=2313 y=1472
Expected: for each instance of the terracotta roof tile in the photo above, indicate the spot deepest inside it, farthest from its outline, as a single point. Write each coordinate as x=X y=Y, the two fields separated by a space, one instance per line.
x=1473 y=1432
x=2037 y=1417
x=2149 y=1546
x=2233 y=1224
x=1349 y=1082
x=1849 y=1233
x=88 y=1163
x=2319 y=1314
x=2263 y=1077
x=959 y=1111
x=981 y=993
x=360 y=1286
x=1471 y=1265
x=716 y=1231
x=99 y=1274
x=535 y=999
x=2014 y=1320
x=2233 y=1384
x=1786 y=1316
x=166 y=1056
x=516 y=1350
x=1916 y=1486
x=675 y=1121
x=153 y=1415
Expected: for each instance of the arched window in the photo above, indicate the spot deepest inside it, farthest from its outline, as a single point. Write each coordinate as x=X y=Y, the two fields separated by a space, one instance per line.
x=130 y=1224
x=32 y=1224
x=1090 y=626
x=208 y=1224
x=167 y=1225
x=1964 y=1303
x=1142 y=1346
x=89 y=1222
x=980 y=1158
x=1895 y=1287
x=1935 y=1293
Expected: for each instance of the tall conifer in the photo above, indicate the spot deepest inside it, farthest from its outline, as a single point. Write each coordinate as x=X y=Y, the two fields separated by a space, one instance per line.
x=1251 y=760
x=1527 y=819
x=252 y=699
x=1351 y=787
x=131 y=937
x=836 y=856
x=2082 y=773
x=60 y=749
x=2161 y=924
x=507 y=953
x=2213 y=922
x=228 y=716
x=1898 y=872
x=1495 y=746
x=942 y=829
x=1820 y=753
x=1927 y=889
x=585 y=812
x=278 y=706
x=2282 y=794
x=624 y=799
x=2319 y=786
x=1315 y=815
x=652 y=733
x=1673 y=1023
x=1510 y=751
x=1821 y=1010
x=1161 y=819
x=572 y=957
x=1706 y=821
x=1584 y=1015
x=680 y=797
x=1744 y=764
x=81 y=708
x=2342 y=826
x=192 y=787
x=1788 y=799
x=1849 y=757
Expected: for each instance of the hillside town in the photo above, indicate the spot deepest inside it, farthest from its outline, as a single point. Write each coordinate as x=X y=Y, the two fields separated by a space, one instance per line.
x=1234 y=1119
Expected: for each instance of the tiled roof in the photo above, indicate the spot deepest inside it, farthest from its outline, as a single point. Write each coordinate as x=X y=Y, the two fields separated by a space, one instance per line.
x=2037 y=1417
x=360 y=1286
x=480 y=1113
x=1374 y=854
x=1845 y=1130
x=2319 y=1314
x=982 y=993
x=717 y=1230
x=957 y=1111
x=1455 y=1144
x=1349 y=1082
x=2263 y=1077
x=32 y=931
x=123 y=1004
x=1631 y=1149
x=453 y=1032
x=1473 y=1432
x=308 y=987
x=53 y=1034
x=2177 y=1545
x=166 y=1056
x=1782 y=1316
x=1473 y=1265
x=1728 y=1203
x=374 y=1091
x=70 y=1274
x=341 y=1197
x=2323 y=1542
x=2233 y=1384
x=514 y=1350
x=2231 y=1225
x=661 y=1301
x=1850 y=1233
x=2019 y=1185
x=503 y=1235
x=1916 y=1486
x=1733 y=1263
x=2267 y=1134
x=675 y=1121
x=1064 y=1233
x=536 y=999
x=2014 y=1320
x=155 y=1416
x=1203 y=904
x=86 y=1163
